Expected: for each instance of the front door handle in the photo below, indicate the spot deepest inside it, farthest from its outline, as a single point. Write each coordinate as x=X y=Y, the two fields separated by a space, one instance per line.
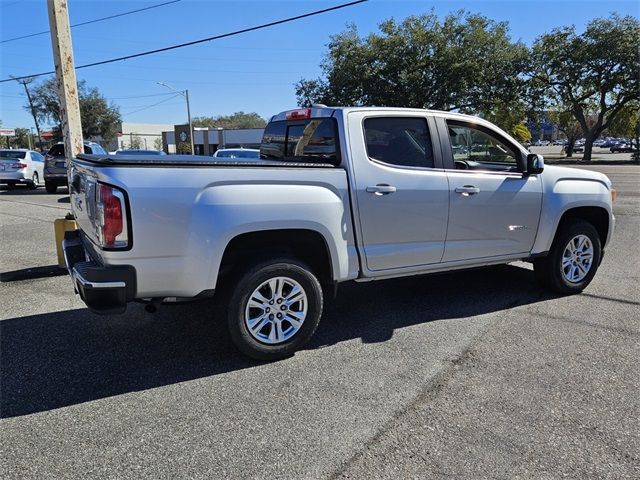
x=467 y=190
x=381 y=189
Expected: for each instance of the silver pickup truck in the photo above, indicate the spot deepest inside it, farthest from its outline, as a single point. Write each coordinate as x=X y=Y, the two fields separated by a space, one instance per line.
x=337 y=194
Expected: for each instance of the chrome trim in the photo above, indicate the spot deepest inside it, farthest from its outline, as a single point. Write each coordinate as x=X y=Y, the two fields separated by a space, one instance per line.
x=84 y=282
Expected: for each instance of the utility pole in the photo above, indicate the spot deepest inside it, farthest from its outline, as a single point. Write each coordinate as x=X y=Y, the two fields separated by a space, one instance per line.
x=65 y=78
x=25 y=82
x=185 y=94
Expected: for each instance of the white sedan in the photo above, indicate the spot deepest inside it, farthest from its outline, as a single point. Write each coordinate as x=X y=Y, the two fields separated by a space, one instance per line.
x=21 y=166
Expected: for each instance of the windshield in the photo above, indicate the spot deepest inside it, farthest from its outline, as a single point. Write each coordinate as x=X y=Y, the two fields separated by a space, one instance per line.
x=237 y=154
x=140 y=152
x=12 y=154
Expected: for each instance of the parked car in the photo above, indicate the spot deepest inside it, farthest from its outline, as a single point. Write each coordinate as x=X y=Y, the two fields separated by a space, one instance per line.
x=622 y=148
x=140 y=152
x=340 y=194
x=55 y=164
x=21 y=166
x=237 y=153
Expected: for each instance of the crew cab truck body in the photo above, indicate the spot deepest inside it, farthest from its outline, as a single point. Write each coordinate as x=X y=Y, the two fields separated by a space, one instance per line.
x=338 y=194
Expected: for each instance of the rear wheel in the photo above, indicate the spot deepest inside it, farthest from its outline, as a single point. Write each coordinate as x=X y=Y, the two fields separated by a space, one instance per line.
x=35 y=181
x=275 y=309
x=573 y=260
x=50 y=187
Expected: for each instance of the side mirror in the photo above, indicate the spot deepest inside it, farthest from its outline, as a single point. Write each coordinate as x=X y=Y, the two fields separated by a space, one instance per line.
x=535 y=164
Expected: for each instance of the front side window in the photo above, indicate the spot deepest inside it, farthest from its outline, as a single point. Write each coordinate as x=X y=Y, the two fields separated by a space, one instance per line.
x=313 y=140
x=477 y=149
x=399 y=141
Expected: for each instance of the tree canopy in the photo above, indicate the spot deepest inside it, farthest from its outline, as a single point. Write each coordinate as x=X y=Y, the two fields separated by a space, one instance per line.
x=592 y=75
x=235 y=120
x=465 y=62
x=99 y=118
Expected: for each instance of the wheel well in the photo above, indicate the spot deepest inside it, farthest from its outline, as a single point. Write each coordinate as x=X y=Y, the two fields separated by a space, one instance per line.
x=307 y=246
x=596 y=216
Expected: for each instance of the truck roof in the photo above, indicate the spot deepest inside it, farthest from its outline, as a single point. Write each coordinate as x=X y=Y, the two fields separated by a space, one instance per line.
x=323 y=111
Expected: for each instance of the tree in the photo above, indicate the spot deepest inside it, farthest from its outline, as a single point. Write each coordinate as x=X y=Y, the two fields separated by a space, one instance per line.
x=466 y=62
x=593 y=75
x=157 y=144
x=99 y=118
x=235 y=120
x=627 y=124
x=135 y=142
x=521 y=133
x=567 y=124
x=20 y=139
x=25 y=82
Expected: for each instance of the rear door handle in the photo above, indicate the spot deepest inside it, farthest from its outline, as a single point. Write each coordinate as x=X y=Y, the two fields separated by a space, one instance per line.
x=467 y=190
x=381 y=189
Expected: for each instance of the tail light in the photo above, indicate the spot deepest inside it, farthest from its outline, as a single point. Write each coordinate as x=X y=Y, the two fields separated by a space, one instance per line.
x=112 y=217
x=19 y=166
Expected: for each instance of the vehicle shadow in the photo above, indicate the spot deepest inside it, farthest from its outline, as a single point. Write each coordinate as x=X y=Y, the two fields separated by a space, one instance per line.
x=65 y=358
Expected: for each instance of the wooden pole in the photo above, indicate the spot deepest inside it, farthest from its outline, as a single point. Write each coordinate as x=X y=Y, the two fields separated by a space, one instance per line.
x=65 y=78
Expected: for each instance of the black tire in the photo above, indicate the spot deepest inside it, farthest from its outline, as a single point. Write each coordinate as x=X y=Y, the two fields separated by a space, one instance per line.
x=549 y=271
x=50 y=187
x=35 y=180
x=248 y=282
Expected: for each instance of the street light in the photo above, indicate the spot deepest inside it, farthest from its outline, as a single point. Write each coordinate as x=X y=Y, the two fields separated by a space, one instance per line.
x=185 y=94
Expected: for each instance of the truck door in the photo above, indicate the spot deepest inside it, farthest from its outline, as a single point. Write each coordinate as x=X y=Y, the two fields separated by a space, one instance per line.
x=494 y=209
x=401 y=189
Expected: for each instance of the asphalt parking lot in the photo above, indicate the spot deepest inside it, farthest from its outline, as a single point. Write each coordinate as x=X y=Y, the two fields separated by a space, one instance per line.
x=468 y=375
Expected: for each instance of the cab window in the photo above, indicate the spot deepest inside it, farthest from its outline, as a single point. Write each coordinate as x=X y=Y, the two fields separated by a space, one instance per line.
x=311 y=140
x=477 y=148
x=399 y=141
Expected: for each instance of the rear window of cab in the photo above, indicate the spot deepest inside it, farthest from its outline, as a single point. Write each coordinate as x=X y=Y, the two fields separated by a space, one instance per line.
x=312 y=140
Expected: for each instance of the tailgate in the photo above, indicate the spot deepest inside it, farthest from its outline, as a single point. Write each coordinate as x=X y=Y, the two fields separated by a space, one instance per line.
x=82 y=194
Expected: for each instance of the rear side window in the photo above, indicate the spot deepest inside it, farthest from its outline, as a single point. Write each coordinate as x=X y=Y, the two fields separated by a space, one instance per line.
x=400 y=141
x=97 y=150
x=313 y=140
x=57 y=150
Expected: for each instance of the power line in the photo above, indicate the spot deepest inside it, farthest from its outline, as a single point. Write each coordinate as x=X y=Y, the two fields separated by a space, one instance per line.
x=93 y=21
x=141 y=96
x=202 y=40
x=152 y=105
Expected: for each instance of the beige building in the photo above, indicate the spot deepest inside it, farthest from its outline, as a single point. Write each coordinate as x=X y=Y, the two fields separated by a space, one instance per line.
x=147 y=136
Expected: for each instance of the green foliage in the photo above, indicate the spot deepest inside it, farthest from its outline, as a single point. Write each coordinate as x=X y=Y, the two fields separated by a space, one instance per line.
x=592 y=75
x=135 y=142
x=627 y=124
x=99 y=118
x=19 y=140
x=567 y=124
x=466 y=62
x=157 y=144
x=235 y=120
x=183 y=147
x=521 y=133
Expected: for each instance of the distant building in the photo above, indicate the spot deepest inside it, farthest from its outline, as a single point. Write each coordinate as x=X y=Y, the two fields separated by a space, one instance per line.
x=146 y=136
x=207 y=140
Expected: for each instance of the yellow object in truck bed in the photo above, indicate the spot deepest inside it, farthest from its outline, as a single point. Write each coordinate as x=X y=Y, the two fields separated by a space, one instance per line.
x=61 y=225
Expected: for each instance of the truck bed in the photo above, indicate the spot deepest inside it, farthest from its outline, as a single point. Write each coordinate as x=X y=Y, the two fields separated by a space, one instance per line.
x=190 y=161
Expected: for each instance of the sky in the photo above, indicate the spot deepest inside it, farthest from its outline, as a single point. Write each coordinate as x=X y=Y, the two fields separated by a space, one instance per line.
x=251 y=72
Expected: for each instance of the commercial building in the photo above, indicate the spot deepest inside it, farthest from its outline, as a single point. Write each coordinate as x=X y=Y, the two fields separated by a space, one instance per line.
x=146 y=136
x=207 y=140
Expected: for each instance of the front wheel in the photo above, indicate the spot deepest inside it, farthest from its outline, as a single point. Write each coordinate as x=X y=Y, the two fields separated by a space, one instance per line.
x=573 y=259
x=275 y=309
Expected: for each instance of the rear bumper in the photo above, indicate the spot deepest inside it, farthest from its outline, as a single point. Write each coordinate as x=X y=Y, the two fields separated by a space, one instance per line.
x=12 y=177
x=57 y=178
x=105 y=290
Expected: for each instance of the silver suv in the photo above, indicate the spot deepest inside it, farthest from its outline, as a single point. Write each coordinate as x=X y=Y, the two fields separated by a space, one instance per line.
x=55 y=164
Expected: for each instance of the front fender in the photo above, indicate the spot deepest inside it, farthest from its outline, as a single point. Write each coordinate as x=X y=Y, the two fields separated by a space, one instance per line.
x=566 y=194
